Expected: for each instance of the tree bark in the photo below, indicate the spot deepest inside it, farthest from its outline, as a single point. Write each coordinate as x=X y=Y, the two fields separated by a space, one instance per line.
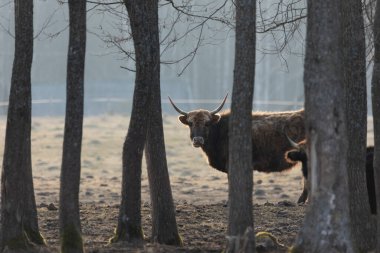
x=19 y=226
x=129 y=226
x=129 y=223
x=146 y=125
x=240 y=176
x=69 y=218
x=376 y=114
x=326 y=226
x=354 y=64
x=164 y=228
x=144 y=23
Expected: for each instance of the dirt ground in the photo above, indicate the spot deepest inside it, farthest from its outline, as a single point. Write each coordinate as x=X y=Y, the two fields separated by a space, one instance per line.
x=202 y=227
x=199 y=191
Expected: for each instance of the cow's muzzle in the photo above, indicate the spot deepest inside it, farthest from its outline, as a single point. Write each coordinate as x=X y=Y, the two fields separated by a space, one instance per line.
x=198 y=142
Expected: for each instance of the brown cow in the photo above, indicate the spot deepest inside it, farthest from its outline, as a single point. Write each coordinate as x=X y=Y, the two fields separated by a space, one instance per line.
x=209 y=131
x=299 y=153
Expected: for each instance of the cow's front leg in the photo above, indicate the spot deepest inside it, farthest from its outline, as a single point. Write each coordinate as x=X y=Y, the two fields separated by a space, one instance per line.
x=305 y=192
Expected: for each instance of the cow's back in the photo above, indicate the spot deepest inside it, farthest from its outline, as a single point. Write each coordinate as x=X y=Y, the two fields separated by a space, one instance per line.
x=269 y=141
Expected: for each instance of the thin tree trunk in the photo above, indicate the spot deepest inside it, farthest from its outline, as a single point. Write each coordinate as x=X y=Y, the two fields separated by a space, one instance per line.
x=146 y=125
x=240 y=176
x=164 y=228
x=326 y=226
x=19 y=226
x=376 y=114
x=129 y=222
x=31 y=216
x=129 y=226
x=356 y=117
x=69 y=218
x=144 y=23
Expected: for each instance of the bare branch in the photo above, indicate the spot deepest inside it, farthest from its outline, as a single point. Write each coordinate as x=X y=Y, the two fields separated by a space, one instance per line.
x=194 y=24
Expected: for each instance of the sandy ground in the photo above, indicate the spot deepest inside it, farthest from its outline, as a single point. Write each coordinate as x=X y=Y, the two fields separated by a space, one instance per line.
x=199 y=191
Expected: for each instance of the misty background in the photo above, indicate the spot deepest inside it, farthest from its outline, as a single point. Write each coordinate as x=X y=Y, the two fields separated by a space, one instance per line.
x=109 y=86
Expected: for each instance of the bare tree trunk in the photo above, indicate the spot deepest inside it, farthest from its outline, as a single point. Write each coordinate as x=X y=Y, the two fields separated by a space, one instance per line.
x=129 y=223
x=376 y=114
x=69 y=218
x=356 y=117
x=19 y=226
x=146 y=125
x=144 y=23
x=326 y=226
x=164 y=228
x=240 y=176
x=129 y=226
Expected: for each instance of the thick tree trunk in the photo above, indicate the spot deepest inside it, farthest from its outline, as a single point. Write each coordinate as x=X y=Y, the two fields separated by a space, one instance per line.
x=326 y=226
x=19 y=226
x=240 y=176
x=356 y=117
x=69 y=219
x=376 y=114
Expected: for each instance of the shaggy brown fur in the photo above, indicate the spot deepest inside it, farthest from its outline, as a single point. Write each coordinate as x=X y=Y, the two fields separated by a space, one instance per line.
x=210 y=132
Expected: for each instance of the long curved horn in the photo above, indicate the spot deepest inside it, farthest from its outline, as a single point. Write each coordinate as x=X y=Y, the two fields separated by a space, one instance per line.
x=292 y=143
x=220 y=107
x=176 y=108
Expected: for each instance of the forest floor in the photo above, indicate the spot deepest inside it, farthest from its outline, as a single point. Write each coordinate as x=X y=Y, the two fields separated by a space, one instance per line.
x=199 y=191
x=201 y=227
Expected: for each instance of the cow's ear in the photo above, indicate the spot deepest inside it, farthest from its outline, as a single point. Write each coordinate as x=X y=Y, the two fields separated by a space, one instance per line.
x=183 y=119
x=215 y=118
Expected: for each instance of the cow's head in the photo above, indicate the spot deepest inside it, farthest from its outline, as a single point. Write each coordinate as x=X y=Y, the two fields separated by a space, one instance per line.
x=298 y=153
x=199 y=122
